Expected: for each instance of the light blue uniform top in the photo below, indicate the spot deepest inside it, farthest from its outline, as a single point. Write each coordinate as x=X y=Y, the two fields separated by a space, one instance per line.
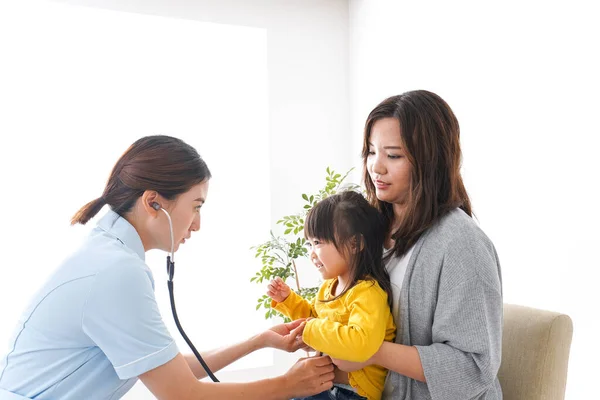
x=93 y=327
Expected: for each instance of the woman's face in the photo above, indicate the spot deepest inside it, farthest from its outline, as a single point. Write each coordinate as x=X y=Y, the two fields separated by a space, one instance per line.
x=185 y=214
x=387 y=164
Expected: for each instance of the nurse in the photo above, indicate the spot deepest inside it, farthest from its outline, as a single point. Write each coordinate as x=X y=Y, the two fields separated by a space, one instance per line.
x=94 y=327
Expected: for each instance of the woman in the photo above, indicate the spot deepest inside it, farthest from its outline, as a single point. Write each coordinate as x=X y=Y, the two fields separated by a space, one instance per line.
x=445 y=272
x=95 y=327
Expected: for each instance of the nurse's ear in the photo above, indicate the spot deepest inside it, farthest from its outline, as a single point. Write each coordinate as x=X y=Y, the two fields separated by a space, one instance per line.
x=151 y=202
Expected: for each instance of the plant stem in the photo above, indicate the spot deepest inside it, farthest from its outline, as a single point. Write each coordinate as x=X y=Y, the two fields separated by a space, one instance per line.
x=296 y=275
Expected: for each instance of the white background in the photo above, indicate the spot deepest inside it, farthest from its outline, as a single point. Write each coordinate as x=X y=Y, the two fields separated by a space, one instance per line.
x=521 y=77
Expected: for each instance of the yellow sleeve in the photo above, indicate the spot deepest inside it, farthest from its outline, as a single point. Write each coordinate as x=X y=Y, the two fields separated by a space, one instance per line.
x=295 y=306
x=362 y=336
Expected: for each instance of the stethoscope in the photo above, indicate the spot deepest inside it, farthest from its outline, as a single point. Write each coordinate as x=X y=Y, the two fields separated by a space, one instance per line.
x=171 y=272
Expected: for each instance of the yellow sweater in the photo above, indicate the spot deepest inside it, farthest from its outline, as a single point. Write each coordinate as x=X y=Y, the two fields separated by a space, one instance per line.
x=351 y=328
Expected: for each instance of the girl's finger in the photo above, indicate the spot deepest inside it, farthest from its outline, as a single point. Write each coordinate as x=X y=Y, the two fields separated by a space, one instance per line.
x=298 y=331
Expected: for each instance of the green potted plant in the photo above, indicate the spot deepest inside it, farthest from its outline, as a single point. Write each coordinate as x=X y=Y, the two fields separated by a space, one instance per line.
x=279 y=254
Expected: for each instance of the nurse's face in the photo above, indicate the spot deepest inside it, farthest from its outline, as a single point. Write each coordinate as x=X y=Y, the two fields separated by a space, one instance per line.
x=185 y=214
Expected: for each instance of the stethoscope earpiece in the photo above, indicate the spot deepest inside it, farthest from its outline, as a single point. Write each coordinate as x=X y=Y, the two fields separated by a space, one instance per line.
x=157 y=207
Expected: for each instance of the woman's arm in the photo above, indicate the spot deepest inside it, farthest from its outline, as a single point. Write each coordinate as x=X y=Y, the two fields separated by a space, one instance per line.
x=174 y=380
x=465 y=355
x=466 y=339
x=402 y=359
x=283 y=337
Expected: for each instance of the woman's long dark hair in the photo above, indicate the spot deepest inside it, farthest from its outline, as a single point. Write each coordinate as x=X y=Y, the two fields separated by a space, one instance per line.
x=357 y=230
x=162 y=163
x=431 y=140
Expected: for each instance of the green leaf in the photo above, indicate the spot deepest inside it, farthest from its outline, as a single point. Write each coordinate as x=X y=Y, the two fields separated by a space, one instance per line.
x=277 y=253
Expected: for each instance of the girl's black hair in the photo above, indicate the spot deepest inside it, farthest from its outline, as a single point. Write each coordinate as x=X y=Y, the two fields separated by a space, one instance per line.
x=357 y=230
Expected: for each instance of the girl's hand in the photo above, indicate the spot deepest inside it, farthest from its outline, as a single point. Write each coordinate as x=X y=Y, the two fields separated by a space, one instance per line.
x=278 y=290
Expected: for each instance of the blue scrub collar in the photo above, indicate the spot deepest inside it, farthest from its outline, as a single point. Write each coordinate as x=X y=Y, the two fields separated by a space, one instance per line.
x=117 y=226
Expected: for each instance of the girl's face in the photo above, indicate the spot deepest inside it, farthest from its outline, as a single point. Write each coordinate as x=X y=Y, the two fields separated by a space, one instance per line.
x=387 y=164
x=185 y=215
x=328 y=259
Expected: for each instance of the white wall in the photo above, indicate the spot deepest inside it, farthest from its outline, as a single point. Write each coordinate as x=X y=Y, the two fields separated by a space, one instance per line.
x=522 y=78
x=307 y=50
x=307 y=127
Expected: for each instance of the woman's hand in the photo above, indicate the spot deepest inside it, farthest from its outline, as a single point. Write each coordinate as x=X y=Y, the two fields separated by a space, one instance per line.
x=287 y=337
x=278 y=290
x=310 y=376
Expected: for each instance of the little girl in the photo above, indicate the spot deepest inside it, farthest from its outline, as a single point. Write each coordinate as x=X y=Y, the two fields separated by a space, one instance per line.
x=350 y=316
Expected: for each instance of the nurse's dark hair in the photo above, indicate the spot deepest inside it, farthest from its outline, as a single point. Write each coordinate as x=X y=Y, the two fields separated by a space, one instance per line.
x=430 y=137
x=162 y=163
x=357 y=230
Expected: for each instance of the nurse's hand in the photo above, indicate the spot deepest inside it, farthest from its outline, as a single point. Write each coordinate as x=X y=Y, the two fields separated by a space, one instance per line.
x=287 y=337
x=310 y=376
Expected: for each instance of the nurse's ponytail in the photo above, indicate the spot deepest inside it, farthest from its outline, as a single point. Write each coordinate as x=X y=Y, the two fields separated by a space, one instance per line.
x=162 y=163
x=88 y=211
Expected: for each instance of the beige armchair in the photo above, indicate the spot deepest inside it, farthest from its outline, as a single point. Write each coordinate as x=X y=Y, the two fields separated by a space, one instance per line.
x=535 y=354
